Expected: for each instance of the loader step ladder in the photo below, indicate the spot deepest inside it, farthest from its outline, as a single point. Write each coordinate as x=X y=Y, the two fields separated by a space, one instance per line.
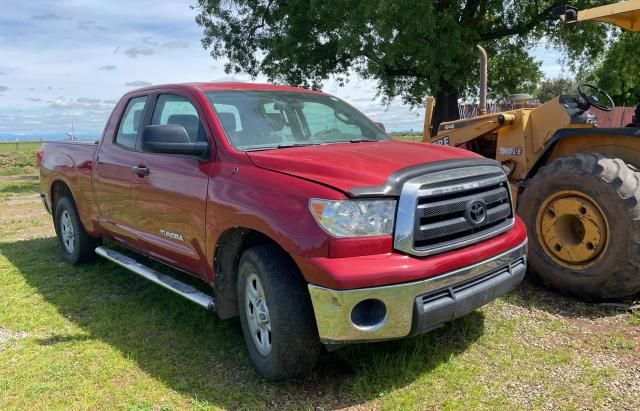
x=168 y=282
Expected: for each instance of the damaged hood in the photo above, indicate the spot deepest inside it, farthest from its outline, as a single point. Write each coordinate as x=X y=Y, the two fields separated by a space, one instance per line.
x=346 y=166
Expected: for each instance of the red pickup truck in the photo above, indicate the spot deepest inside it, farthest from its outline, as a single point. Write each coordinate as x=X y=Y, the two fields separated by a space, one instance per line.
x=302 y=215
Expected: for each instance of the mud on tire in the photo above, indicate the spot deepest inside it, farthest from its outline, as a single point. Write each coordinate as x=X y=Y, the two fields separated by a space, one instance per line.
x=615 y=187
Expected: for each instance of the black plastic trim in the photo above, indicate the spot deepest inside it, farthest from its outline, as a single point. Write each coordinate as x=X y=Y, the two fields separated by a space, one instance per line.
x=394 y=183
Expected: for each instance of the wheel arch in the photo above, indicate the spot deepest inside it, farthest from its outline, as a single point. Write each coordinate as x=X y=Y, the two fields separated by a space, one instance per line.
x=228 y=250
x=59 y=189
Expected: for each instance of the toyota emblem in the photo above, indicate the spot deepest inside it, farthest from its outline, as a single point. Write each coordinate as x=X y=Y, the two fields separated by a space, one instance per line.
x=476 y=212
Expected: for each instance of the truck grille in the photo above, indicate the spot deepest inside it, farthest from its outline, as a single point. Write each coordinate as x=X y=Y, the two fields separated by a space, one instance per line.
x=452 y=209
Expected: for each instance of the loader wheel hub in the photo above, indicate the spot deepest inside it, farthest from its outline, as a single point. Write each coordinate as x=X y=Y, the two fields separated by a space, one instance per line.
x=573 y=229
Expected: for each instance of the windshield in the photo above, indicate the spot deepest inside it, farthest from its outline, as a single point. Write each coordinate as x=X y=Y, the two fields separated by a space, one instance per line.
x=259 y=120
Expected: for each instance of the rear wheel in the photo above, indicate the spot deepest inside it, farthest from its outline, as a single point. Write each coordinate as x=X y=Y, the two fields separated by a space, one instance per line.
x=583 y=216
x=76 y=245
x=276 y=314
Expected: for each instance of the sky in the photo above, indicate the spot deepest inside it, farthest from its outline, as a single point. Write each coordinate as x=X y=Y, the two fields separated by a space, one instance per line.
x=65 y=62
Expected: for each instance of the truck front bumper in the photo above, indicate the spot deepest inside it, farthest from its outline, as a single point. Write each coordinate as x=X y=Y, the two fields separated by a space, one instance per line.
x=401 y=310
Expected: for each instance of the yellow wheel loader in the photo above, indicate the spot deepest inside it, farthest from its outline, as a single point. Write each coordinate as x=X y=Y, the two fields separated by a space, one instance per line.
x=576 y=186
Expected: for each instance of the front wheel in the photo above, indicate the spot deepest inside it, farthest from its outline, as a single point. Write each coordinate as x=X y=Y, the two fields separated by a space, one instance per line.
x=583 y=216
x=276 y=314
x=76 y=245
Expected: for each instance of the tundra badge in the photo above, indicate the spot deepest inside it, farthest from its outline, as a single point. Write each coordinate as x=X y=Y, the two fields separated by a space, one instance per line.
x=169 y=234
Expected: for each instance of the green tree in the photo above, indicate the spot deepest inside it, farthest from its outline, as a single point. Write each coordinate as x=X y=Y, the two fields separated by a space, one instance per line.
x=550 y=88
x=411 y=48
x=619 y=72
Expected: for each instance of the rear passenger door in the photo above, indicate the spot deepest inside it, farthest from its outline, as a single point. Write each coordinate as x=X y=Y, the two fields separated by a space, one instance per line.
x=116 y=157
x=171 y=200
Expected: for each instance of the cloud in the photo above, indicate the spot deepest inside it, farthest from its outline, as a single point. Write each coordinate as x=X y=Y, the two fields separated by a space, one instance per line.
x=3 y=89
x=110 y=102
x=116 y=50
x=137 y=83
x=33 y=99
x=50 y=16
x=85 y=25
x=88 y=100
x=176 y=44
x=2 y=73
x=134 y=52
x=109 y=67
x=149 y=40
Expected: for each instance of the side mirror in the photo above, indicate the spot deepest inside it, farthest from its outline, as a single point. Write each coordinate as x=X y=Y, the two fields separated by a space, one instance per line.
x=380 y=126
x=171 y=139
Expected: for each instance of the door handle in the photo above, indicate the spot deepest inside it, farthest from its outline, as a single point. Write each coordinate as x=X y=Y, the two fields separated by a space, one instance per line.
x=141 y=171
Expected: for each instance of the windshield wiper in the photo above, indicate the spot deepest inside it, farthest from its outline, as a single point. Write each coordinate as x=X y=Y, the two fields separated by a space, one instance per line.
x=291 y=145
x=361 y=140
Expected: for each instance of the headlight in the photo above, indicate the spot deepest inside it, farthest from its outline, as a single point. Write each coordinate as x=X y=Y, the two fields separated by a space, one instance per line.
x=354 y=218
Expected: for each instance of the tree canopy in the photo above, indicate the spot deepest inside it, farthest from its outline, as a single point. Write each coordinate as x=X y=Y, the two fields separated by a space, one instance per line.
x=619 y=71
x=410 y=48
x=550 y=88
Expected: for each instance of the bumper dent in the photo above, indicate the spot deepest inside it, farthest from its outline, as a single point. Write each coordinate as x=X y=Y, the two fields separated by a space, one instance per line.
x=417 y=307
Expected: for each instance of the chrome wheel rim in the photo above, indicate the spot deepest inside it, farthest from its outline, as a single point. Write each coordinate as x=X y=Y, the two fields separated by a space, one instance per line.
x=257 y=314
x=67 y=233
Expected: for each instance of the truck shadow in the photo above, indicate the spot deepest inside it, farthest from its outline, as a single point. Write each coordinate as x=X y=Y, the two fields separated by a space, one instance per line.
x=195 y=353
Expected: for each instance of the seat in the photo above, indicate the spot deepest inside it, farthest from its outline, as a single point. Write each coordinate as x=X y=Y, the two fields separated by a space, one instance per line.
x=190 y=122
x=228 y=121
x=137 y=115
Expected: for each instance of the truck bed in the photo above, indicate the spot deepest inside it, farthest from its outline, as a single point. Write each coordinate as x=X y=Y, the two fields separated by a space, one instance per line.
x=72 y=163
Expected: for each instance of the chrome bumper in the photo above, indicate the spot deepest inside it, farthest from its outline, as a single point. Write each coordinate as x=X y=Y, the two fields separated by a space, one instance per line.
x=417 y=307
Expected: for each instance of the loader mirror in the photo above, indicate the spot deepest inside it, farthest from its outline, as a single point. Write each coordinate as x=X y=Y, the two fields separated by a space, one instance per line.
x=566 y=13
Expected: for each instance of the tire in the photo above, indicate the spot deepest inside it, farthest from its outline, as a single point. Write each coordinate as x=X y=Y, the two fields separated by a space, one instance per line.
x=294 y=343
x=597 y=255
x=76 y=245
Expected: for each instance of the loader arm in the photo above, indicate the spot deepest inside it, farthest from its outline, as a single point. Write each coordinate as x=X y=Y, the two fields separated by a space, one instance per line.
x=625 y=14
x=454 y=133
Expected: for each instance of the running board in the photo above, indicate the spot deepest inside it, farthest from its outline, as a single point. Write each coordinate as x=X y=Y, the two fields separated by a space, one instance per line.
x=168 y=282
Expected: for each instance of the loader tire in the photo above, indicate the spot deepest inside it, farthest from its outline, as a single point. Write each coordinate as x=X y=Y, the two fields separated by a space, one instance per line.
x=583 y=216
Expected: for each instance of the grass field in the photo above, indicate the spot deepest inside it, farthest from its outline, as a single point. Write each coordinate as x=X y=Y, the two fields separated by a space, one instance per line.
x=18 y=158
x=98 y=337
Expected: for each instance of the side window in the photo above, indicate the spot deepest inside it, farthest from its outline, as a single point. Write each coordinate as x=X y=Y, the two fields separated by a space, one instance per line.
x=321 y=118
x=130 y=124
x=178 y=110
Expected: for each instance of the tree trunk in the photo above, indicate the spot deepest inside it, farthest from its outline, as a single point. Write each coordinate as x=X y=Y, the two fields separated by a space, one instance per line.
x=446 y=107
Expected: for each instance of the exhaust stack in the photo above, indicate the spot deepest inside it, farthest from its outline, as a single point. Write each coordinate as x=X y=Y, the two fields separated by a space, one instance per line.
x=483 y=80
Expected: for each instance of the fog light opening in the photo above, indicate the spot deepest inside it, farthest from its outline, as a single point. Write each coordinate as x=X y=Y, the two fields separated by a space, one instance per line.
x=369 y=314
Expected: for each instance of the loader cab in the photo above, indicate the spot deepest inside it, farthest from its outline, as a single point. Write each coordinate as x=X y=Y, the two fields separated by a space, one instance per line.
x=577 y=109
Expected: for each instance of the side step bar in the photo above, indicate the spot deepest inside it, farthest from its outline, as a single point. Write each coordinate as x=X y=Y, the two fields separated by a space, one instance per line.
x=170 y=283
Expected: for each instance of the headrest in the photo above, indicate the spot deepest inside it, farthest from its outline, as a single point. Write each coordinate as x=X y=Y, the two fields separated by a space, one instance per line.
x=228 y=121
x=190 y=122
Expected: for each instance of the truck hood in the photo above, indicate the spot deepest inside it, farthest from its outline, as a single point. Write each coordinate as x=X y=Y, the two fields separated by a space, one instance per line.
x=345 y=166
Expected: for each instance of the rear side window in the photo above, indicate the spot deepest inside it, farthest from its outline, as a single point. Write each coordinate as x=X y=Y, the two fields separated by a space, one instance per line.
x=130 y=124
x=179 y=111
